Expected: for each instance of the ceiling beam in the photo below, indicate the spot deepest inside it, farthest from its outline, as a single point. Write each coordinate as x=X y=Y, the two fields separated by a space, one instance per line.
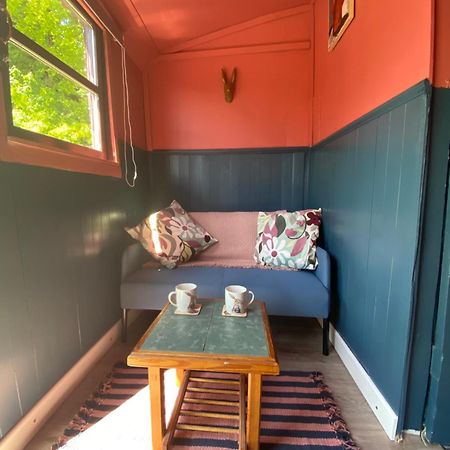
x=238 y=28
x=238 y=50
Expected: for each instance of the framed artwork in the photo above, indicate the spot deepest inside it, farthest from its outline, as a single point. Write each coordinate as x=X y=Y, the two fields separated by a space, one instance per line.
x=340 y=13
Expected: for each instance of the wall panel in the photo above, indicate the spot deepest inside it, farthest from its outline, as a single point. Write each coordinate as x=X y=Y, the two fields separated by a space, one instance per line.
x=368 y=179
x=235 y=180
x=61 y=238
x=432 y=337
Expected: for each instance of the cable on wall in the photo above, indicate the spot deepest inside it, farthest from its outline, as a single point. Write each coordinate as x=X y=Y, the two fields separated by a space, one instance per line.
x=127 y=121
x=126 y=103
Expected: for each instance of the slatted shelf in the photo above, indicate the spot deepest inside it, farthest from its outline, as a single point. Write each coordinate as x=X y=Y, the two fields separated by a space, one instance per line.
x=239 y=418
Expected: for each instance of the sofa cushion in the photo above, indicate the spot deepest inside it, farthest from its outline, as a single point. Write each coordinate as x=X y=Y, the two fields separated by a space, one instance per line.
x=288 y=239
x=171 y=236
x=236 y=232
x=288 y=293
x=148 y=288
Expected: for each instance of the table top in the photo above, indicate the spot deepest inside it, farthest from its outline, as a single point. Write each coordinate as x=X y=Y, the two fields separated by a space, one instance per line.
x=208 y=341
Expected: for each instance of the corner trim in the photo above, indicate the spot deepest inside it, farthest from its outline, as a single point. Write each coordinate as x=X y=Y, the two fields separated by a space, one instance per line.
x=379 y=405
x=231 y=151
x=22 y=433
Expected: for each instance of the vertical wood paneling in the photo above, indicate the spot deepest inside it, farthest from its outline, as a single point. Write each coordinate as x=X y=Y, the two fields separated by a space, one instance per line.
x=15 y=358
x=61 y=238
x=434 y=213
x=429 y=329
x=40 y=231
x=369 y=181
x=438 y=406
x=229 y=180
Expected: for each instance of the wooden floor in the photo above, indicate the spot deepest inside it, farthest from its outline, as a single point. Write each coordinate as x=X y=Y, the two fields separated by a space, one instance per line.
x=298 y=346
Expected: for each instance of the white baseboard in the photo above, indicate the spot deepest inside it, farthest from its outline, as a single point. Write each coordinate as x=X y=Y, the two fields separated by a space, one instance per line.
x=22 y=433
x=380 y=407
x=412 y=432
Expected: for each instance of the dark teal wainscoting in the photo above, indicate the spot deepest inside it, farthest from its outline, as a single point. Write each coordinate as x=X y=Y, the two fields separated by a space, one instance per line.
x=437 y=414
x=229 y=180
x=430 y=258
x=61 y=238
x=368 y=180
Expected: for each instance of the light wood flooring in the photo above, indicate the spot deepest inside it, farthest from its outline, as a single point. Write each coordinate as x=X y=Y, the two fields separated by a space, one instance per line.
x=298 y=346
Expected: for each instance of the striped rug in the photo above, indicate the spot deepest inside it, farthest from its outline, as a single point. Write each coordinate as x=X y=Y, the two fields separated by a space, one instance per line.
x=297 y=412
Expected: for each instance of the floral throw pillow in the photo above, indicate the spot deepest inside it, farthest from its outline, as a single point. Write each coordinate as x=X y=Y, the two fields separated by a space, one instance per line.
x=288 y=239
x=171 y=236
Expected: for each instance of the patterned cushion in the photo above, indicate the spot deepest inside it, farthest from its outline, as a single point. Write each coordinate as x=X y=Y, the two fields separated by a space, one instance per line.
x=288 y=239
x=171 y=236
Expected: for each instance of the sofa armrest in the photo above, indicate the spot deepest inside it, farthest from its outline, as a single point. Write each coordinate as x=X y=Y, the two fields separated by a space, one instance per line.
x=323 y=269
x=132 y=259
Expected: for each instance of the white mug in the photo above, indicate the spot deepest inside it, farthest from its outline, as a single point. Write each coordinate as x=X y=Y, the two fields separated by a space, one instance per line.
x=184 y=297
x=237 y=299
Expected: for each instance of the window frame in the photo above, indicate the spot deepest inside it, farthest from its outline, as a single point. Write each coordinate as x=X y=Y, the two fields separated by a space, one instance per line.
x=24 y=146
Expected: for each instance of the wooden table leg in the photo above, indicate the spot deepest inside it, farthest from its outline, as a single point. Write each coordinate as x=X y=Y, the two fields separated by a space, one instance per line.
x=254 y=410
x=242 y=413
x=157 y=410
x=179 y=376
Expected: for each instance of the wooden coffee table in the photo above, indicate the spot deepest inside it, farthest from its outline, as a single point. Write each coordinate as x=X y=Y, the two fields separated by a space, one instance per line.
x=207 y=342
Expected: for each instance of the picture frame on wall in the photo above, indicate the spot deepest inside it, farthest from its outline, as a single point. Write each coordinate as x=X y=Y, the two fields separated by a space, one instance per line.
x=340 y=13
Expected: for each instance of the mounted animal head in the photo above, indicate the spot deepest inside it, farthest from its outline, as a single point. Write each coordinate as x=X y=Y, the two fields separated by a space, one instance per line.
x=228 y=86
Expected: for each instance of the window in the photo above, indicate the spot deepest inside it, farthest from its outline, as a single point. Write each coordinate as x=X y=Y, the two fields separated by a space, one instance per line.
x=54 y=80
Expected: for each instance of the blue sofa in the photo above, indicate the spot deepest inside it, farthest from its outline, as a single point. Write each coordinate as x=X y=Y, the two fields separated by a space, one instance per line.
x=302 y=293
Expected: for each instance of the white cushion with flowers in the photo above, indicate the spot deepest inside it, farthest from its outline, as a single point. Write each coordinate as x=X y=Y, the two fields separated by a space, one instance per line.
x=171 y=236
x=288 y=239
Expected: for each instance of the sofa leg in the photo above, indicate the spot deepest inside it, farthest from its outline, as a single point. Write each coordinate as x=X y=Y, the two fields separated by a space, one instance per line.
x=124 y=324
x=326 y=332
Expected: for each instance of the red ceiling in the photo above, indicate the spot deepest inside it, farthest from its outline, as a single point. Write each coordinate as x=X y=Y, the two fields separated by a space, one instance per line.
x=162 y=25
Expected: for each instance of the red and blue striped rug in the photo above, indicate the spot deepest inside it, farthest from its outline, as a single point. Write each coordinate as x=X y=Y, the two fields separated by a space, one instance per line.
x=297 y=412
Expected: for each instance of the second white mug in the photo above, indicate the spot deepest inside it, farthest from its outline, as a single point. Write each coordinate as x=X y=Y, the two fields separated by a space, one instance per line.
x=184 y=297
x=237 y=299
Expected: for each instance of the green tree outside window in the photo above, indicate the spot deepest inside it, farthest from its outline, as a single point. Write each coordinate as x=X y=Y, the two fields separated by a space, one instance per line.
x=43 y=99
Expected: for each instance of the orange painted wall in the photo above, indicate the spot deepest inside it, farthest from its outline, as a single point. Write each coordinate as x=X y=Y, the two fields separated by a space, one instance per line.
x=273 y=98
x=386 y=49
x=136 y=95
x=442 y=44
x=137 y=105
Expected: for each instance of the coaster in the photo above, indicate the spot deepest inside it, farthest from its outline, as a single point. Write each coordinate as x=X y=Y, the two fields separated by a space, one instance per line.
x=227 y=314
x=196 y=311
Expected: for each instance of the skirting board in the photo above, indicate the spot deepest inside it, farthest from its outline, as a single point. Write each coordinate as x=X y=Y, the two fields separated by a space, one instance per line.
x=412 y=432
x=22 y=433
x=380 y=407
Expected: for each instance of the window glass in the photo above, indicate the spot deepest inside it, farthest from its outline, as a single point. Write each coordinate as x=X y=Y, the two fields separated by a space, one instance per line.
x=60 y=29
x=45 y=101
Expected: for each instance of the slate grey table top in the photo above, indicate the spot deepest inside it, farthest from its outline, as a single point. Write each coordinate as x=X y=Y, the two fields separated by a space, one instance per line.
x=210 y=332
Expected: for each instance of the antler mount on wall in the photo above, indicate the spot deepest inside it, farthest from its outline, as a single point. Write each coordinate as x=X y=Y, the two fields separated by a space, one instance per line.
x=229 y=86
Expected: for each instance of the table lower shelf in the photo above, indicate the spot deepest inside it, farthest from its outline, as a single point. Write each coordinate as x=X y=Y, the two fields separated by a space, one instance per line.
x=188 y=406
